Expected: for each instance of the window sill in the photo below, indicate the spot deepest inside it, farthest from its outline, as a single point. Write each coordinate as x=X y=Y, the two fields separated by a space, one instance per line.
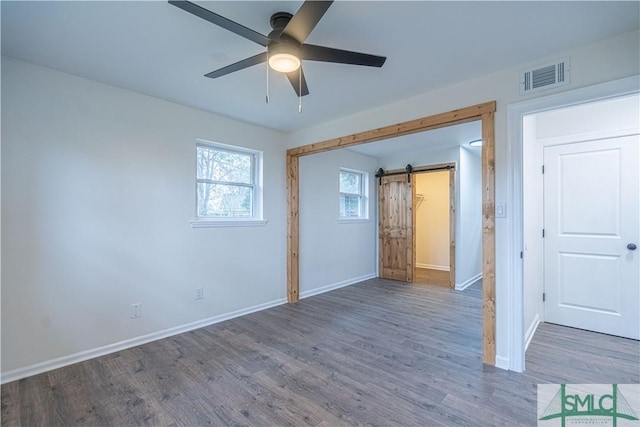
x=353 y=220
x=212 y=223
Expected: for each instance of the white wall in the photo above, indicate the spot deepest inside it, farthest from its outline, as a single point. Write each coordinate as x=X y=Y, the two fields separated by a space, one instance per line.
x=432 y=220
x=334 y=253
x=424 y=157
x=605 y=60
x=97 y=194
x=469 y=239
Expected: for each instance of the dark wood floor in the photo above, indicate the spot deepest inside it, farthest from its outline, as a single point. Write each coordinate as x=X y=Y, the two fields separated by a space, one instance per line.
x=376 y=353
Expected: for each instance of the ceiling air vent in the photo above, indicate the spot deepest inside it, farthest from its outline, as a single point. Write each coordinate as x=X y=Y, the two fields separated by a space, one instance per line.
x=545 y=77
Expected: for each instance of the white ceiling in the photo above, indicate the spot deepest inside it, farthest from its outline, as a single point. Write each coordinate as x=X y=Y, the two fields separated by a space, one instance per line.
x=157 y=49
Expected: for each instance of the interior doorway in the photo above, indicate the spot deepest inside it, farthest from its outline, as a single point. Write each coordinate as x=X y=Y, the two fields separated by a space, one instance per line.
x=416 y=213
x=434 y=212
x=579 y=271
x=483 y=112
x=518 y=309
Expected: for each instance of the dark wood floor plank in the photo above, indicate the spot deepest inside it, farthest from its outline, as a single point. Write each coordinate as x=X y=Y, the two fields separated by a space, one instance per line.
x=10 y=403
x=376 y=353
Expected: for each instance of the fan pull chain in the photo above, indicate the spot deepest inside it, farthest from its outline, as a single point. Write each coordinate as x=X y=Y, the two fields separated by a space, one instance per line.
x=300 y=90
x=266 y=97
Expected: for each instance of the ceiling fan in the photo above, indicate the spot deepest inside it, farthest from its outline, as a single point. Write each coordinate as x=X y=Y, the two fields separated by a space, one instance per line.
x=285 y=43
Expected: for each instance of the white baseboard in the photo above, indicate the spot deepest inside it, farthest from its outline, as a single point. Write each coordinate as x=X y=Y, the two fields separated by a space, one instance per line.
x=464 y=285
x=531 y=331
x=337 y=285
x=59 y=362
x=433 y=266
x=502 y=362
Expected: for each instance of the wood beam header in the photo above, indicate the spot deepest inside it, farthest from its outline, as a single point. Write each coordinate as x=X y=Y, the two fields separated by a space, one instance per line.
x=463 y=115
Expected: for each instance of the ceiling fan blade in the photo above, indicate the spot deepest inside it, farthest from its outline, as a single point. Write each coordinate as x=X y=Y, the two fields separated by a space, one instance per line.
x=245 y=63
x=221 y=21
x=329 y=54
x=306 y=19
x=294 y=79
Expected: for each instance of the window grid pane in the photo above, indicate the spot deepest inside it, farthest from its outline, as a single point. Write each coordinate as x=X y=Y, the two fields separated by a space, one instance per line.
x=350 y=206
x=225 y=200
x=350 y=182
x=224 y=166
x=225 y=182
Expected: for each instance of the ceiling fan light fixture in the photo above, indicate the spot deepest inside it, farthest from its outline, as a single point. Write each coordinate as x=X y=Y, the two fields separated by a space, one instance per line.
x=285 y=44
x=284 y=62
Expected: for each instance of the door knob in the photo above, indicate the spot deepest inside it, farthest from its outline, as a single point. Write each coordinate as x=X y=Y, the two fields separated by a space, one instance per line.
x=631 y=246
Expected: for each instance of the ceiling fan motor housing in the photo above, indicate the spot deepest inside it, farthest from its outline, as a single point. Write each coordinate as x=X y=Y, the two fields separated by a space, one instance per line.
x=279 y=20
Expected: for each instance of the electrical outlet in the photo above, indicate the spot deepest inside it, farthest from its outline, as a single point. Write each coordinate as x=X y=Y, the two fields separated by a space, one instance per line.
x=136 y=310
x=199 y=293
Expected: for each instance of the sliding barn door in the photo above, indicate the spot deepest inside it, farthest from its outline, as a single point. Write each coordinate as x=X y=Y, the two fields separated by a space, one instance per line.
x=395 y=202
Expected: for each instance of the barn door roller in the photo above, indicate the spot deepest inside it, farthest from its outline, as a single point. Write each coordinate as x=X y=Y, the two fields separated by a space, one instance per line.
x=380 y=173
x=409 y=170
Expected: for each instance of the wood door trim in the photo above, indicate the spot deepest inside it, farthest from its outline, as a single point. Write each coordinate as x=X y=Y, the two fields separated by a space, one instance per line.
x=455 y=117
x=484 y=112
x=293 y=228
x=488 y=241
x=452 y=227
x=411 y=255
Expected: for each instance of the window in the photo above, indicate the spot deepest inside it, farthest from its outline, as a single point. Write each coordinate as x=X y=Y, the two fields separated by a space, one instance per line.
x=227 y=182
x=353 y=189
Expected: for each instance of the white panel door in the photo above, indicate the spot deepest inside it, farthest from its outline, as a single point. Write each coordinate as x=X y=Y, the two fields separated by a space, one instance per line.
x=591 y=215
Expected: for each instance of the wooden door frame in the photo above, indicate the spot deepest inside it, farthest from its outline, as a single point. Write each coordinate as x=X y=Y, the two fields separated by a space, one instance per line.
x=484 y=112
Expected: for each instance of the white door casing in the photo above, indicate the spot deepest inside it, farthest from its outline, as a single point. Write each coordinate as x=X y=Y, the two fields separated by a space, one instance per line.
x=591 y=214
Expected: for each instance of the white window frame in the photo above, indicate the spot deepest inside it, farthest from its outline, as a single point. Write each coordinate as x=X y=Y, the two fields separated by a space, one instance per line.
x=363 y=195
x=256 y=219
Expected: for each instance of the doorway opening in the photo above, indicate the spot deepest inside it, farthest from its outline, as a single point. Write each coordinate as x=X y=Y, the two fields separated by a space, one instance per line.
x=579 y=272
x=484 y=112
x=417 y=225
x=434 y=204
x=436 y=235
x=520 y=324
